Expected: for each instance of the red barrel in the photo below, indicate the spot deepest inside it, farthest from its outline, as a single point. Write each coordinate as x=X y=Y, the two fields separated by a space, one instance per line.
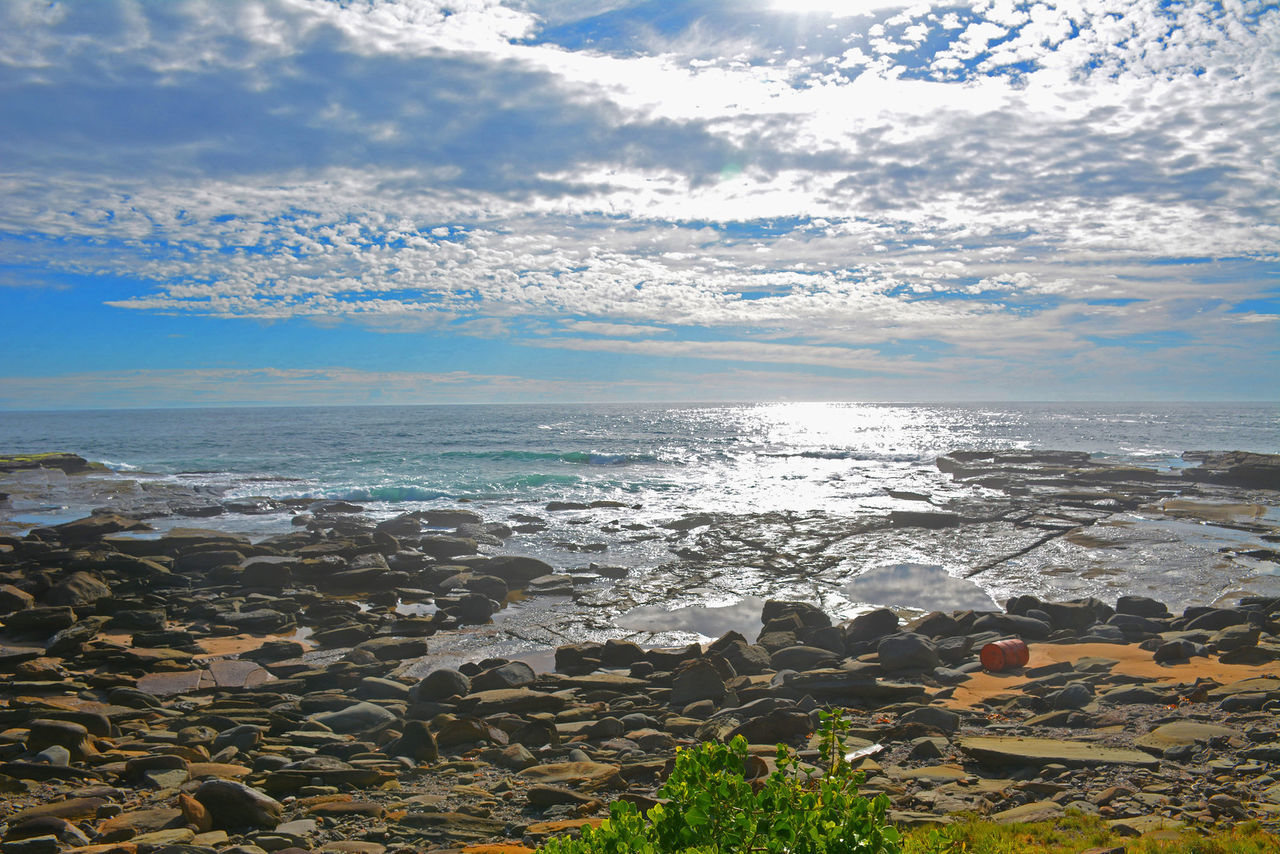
x=1004 y=655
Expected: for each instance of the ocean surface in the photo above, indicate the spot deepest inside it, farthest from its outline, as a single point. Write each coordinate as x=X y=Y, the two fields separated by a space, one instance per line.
x=666 y=460
x=835 y=461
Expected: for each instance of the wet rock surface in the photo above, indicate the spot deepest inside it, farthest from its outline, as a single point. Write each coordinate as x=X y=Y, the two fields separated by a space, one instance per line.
x=196 y=687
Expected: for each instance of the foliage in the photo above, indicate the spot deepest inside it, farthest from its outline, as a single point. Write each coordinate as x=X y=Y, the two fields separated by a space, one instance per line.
x=712 y=808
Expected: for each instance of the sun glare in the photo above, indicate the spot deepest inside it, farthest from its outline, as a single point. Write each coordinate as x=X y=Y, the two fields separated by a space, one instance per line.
x=834 y=8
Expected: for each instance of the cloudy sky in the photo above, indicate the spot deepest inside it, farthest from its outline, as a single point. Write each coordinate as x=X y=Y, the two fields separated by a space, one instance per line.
x=305 y=202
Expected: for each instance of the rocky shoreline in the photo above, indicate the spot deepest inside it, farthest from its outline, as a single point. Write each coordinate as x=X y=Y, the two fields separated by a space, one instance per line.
x=199 y=691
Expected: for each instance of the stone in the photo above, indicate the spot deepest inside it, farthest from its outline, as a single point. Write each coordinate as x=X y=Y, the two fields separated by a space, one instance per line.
x=78 y=588
x=1074 y=695
x=41 y=621
x=1141 y=606
x=802 y=657
x=1178 y=650
x=356 y=718
x=1183 y=733
x=416 y=743
x=696 y=680
x=513 y=674
x=871 y=626
x=584 y=775
x=69 y=735
x=907 y=651
x=933 y=717
x=1037 y=811
x=235 y=806
x=1020 y=750
x=14 y=599
x=517 y=570
x=441 y=684
x=514 y=700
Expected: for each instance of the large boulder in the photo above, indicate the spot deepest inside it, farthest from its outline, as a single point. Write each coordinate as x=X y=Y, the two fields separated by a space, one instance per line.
x=78 y=588
x=516 y=570
x=440 y=685
x=870 y=626
x=235 y=806
x=907 y=651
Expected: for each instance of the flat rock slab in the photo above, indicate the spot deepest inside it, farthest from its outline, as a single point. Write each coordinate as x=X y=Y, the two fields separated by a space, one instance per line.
x=1181 y=733
x=1016 y=750
x=585 y=774
x=1038 y=811
x=935 y=773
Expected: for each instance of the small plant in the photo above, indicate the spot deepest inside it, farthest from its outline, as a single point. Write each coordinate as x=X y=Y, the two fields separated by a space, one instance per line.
x=713 y=809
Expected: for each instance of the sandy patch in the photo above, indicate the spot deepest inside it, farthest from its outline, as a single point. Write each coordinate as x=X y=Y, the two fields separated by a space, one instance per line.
x=1131 y=660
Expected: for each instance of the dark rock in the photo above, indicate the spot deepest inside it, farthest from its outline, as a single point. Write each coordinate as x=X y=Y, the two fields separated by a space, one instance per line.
x=802 y=658
x=942 y=720
x=1012 y=624
x=235 y=806
x=809 y=614
x=515 y=570
x=441 y=684
x=696 y=680
x=907 y=651
x=39 y=621
x=513 y=674
x=871 y=626
x=1141 y=606
x=1178 y=650
x=78 y=588
x=358 y=717
x=416 y=742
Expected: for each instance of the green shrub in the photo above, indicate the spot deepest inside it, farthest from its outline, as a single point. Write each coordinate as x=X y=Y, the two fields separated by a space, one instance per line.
x=712 y=809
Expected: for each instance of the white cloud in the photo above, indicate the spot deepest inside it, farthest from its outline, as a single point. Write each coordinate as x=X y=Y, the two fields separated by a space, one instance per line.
x=450 y=172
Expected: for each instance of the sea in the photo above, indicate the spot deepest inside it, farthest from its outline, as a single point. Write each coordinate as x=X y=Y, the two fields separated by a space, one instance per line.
x=653 y=463
x=662 y=460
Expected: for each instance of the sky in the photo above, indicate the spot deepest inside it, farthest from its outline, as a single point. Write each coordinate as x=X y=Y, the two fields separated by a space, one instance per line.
x=302 y=202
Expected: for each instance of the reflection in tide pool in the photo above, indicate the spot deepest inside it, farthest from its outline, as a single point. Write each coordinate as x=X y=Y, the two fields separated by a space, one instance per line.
x=922 y=587
x=711 y=623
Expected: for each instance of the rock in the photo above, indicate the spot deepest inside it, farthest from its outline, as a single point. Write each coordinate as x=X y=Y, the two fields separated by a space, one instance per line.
x=513 y=674
x=1183 y=733
x=1037 y=811
x=1026 y=628
x=871 y=626
x=583 y=775
x=906 y=651
x=933 y=717
x=14 y=599
x=1019 y=750
x=358 y=717
x=71 y=736
x=517 y=571
x=78 y=588
x=1141 y=606
x=441 y=684
x=470 y=608
x=416 y=742
x=518 y=701
x=802 y=658
x=1074 y=695
x=272 y=573
x=1215 y=619
x=39 y=621
x=696 y=680
x=1178 y=650
x=235 y=806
